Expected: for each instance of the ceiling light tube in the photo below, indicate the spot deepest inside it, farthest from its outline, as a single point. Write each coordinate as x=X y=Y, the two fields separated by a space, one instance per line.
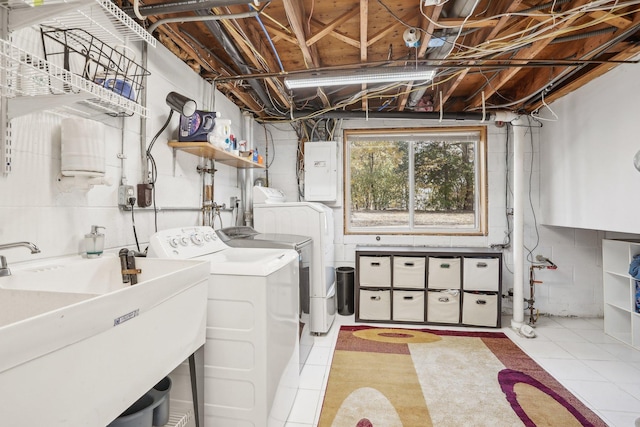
x=358 y=76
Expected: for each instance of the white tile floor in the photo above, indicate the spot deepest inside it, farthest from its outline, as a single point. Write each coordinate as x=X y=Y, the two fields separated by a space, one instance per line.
x=601 y=371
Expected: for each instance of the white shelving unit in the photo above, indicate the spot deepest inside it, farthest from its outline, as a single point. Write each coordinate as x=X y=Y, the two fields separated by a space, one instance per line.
x=621 y=320
x=29 y=83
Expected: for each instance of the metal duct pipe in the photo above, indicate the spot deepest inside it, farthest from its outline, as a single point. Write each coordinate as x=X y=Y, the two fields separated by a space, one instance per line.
x=181 y=6
x=427 y=115
x=228 y=45
x=248 y=173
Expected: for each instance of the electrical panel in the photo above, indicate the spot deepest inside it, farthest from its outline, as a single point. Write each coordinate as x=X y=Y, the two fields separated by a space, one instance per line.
x=321 y=171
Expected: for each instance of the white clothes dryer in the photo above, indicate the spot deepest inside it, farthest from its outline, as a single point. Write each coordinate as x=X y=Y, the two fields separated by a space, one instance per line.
x=251 y=354
x=272 y=214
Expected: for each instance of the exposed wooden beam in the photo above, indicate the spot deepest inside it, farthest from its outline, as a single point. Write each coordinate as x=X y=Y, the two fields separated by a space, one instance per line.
x=244 y=97
x=245 y=47
x=277 y=35
x=428 y=31
x=611 y=19
x=449 y=89
x=528 y=52
x=337 y=35
x=364 y=34
x=328 y=28
x=382 y=34
x=470 y=23
x=295 y=15
x=189 y=51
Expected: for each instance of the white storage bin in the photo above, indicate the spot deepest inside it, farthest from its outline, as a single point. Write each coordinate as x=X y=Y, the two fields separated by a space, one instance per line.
x=481 y=274
x=408 y=306
x=480 y=309
x=409 y=272
x=375 y=305
x=443 y=306
x=375 y=271
x=444 y=273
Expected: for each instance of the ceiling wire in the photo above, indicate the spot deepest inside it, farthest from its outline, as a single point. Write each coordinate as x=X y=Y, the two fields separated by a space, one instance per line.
x=499 y=45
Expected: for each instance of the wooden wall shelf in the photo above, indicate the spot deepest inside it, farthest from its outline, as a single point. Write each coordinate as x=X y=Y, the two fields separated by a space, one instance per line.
x=204 y=149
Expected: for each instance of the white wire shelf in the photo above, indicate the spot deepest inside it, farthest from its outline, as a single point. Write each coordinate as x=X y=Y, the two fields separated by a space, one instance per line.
x=102 y=18
x=180 y=414
x=31 y=83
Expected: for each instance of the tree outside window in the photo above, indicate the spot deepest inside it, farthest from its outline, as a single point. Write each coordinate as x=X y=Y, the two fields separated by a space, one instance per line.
x=415 y=181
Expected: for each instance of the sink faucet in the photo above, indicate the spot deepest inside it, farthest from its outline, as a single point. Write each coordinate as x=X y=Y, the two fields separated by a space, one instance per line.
x=4 y=269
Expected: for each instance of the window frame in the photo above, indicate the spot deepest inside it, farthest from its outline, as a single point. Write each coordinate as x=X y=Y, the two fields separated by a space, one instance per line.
x=481 y=185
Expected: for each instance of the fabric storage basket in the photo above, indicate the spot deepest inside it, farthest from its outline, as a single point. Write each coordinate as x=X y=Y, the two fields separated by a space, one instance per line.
x=481 y=274
x=480 y=309
x=444 y=273
x=408 y=306
x=375 y=271
x=408 y=272
x=443 y=306
x=375 y=305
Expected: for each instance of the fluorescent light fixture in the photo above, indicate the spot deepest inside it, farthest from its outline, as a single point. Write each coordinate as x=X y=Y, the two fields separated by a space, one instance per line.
x=358 y=76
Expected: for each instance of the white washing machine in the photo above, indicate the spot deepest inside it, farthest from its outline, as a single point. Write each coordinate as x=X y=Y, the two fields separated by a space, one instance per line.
x=273 y=214
x=251 y=354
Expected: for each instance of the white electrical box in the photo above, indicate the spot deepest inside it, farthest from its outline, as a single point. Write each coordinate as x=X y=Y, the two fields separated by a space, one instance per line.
x=321 y=171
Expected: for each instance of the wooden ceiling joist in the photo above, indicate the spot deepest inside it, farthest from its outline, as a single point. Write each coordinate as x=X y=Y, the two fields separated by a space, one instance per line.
x=478 y=37
x=528 y=52
x=249 y=54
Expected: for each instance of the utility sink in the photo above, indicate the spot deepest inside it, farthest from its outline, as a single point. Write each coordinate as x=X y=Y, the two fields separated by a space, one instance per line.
x=78 y=346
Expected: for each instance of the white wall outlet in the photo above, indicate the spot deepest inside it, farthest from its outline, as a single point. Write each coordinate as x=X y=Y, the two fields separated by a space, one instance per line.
x=125 y=193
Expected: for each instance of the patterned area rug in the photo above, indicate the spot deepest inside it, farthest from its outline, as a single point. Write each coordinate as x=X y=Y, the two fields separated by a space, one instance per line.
x=388 y=377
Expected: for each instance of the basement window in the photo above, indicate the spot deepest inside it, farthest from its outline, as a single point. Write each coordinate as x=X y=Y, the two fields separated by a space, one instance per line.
x=427 y=181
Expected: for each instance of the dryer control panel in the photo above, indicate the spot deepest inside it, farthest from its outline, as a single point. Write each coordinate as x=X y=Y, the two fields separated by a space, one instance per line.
x=185 y=243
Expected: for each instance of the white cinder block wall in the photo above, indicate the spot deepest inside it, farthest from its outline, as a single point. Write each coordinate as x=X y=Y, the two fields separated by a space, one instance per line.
x=33 y=208
x=575 y=289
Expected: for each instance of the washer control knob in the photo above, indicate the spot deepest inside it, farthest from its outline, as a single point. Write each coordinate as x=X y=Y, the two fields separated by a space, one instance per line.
x=173 y=242
x=184 y=240
x=197 y=239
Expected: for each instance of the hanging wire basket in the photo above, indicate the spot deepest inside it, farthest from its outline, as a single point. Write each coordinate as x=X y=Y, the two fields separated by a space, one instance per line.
x=112 y=67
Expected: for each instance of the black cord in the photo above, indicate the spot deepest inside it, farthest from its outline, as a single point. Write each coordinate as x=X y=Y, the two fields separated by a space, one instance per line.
x=133 y=222
x=154 y=169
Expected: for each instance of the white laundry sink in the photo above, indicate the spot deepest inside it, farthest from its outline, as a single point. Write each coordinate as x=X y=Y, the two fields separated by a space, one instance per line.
x=77 y=346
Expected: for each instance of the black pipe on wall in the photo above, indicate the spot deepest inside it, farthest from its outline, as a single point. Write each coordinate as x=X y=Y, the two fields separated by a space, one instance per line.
x=409 y=115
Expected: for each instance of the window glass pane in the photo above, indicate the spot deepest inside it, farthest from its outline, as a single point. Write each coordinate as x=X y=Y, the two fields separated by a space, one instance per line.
x=379 y=183
x=418 y=181
x=445 y=184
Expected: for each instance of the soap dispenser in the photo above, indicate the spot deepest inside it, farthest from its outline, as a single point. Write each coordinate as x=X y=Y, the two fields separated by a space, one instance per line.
x=94 y=242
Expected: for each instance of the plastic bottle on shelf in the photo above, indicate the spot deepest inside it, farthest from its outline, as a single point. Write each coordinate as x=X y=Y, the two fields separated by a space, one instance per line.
x=255 y=155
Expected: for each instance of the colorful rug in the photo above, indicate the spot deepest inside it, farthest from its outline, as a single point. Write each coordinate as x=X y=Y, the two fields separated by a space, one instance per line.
x=388 y=377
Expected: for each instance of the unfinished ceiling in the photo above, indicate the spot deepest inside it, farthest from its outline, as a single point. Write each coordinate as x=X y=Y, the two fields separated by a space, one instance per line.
x=488 y=54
